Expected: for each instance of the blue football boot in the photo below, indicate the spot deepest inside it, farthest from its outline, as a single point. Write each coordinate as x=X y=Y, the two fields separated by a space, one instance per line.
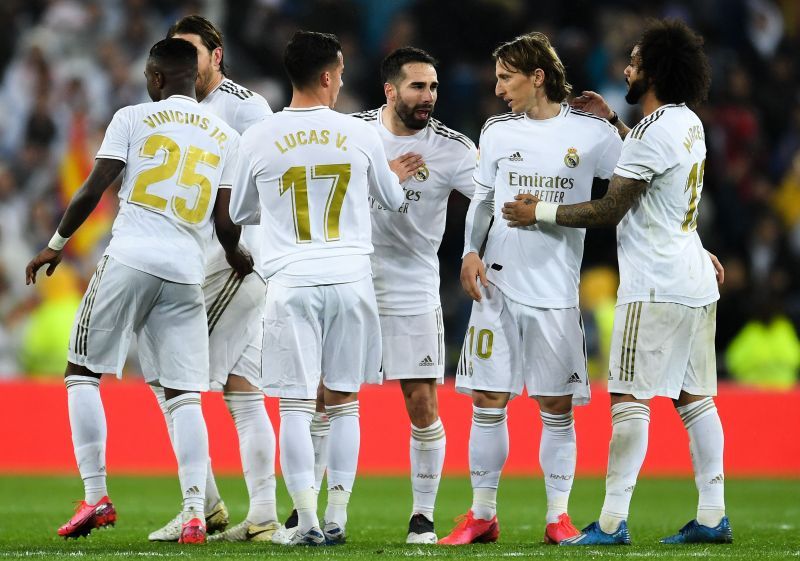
x=694 y=532
x=593 y=535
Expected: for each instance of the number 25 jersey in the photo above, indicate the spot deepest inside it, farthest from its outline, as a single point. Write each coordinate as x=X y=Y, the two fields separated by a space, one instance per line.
x=661 y=257
x=176 y=156
x=307 y=174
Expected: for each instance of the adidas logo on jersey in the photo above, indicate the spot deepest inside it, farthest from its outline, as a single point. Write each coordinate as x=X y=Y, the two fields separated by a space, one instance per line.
x=515 y=157
x=574 y=379
x=427 y=361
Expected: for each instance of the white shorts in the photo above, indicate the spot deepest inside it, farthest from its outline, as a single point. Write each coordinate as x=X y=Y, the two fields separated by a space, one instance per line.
x=329 y=332
x=661 y=348
x=168 y=319
x=234 y=309
x=413 y=346
x=510 y=346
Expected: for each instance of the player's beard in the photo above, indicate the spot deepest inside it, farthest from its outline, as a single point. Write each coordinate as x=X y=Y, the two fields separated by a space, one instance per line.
x=406 y=114
x=636 y=90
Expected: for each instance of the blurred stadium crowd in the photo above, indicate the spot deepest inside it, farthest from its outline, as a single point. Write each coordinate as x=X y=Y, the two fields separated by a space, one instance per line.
x=68 y=65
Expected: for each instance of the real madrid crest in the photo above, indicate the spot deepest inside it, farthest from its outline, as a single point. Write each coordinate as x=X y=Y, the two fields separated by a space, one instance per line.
x=422 y=173
x=572 y=159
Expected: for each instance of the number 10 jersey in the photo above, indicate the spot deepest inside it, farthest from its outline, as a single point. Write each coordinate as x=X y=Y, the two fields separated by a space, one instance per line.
x=177 y=154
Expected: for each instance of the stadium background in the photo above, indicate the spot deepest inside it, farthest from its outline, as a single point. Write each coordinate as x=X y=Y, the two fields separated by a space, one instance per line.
x=67 y=65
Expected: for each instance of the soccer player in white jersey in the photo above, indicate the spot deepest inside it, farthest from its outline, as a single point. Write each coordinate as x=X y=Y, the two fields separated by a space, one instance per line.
x=306 y=173
x=662 y=343
x=525 y=330
x=178 y=162
x=234 y=311
x=432 y=160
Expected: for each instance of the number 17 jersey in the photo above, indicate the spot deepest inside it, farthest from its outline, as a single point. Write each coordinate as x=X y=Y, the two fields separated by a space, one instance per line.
x=177 y=154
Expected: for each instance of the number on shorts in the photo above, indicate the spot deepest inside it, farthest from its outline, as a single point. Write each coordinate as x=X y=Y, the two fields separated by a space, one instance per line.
x=694 y=183
x=188 y=178
x=295 y=179
x=482 y=345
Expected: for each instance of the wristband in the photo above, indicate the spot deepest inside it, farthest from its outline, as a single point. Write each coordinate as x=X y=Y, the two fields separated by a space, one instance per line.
x=546 y=212
x=57 y=242
x=614 y=119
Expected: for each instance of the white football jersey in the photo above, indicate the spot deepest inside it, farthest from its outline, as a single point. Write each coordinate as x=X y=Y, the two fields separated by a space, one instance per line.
x=405 y=266
x=307 y=174
x=556 y=160
x=240 y=108
x=176 y=156
x=661 y=257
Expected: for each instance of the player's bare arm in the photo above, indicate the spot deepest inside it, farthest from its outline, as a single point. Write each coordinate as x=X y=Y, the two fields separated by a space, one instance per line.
x=473 y=271
x=105 y=171
x=406 y=165
x=593 y=102
x=608 y=211
x=719 y=270
x=228 y=235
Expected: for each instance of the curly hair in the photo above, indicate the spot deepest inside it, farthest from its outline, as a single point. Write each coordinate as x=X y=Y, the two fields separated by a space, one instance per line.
x=533 y=50
x=673 y=61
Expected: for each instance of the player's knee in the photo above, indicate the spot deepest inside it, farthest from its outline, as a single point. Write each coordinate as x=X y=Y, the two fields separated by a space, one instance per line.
x=77 y=370
x=555 y=404
x=238 y=383
x=495 y=400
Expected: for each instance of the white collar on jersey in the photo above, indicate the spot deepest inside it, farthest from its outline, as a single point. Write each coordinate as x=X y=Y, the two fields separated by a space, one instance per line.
x=186 y=97
x=315 y=108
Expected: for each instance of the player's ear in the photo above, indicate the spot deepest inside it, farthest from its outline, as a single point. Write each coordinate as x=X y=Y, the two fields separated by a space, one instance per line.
x=389 y=91
x=216 y=57
x=325 y=79
x=538 y=77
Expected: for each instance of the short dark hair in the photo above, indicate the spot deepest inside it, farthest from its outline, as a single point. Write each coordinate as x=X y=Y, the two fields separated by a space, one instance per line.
x=533 y=50
x=392 y=65
x=175 y=57
x=203 y=28
x=673 y=61
x=307 y=54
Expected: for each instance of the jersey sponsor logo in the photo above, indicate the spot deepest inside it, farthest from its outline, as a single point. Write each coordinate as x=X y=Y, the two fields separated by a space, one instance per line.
x=515 y=157
x=571 y=160
x=427 y=361
x=574 y=379
x=422 y=174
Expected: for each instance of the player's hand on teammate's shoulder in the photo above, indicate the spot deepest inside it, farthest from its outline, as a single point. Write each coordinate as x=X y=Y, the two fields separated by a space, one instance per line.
x=406 y=165
x=472 y=271
x=47 y=256
x=592 y=102
x=521 y=211
x=719 y=270
x=240 y=261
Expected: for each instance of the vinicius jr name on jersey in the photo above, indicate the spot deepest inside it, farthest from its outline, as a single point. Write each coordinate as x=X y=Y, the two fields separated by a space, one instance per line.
x=312 y=136
x=154 y=120
x=549 y=189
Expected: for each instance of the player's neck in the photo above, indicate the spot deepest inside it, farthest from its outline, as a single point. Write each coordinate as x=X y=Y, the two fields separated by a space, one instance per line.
x=186 y=92
x=543 y=108
x=218 y=78
x=393 y=124
x=311 y=98
x=649 y=102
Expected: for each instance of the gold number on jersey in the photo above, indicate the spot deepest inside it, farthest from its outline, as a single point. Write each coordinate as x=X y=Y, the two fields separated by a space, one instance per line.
x=188 y=178
x=295 y=179
x=483 y=346
x=694 y=183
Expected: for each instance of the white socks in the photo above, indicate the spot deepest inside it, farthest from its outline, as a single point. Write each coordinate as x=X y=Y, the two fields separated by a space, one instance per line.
x=88 y=422
x=706 y=442
x=345 y=439
x=190 y=442
x=427 y=459
x=257 y=450
x=297 y=459
x=630 y=422
x=557 y=457
x=320 y=427
x=212 y=493
x=488 y=450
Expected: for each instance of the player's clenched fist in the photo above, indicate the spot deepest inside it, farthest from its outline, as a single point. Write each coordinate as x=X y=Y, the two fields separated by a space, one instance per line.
x=472 y=271
x=47 y=256
x=240 y=261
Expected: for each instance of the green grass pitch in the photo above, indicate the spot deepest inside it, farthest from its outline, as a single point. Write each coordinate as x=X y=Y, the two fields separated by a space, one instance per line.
x=765 y=515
